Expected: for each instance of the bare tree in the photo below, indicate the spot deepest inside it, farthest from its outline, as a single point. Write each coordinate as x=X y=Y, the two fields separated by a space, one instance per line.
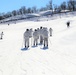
x=23 y=9
x=43 y=9
x=72 y=5
x=29 y=10
x=1 y=17
x=55 y=7
x=63 y=6
x=50 y=5
x=14 y=13
x=34 y=9
x=20 y=11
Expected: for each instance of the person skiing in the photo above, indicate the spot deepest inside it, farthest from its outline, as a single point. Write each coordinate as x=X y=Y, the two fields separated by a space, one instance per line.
x=36 y=37
x=1 y=35
x=26 y=38
x=50 y=31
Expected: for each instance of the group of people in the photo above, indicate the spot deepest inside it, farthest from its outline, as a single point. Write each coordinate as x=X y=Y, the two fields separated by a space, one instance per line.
x=39 y=36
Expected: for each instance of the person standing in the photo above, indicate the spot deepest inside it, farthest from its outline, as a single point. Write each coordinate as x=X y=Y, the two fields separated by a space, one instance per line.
x=45 y=37
x=40 y=34
x=68 y=24
x=1 y=35
x=36 y=37
x=26 y=38
x=30 y=33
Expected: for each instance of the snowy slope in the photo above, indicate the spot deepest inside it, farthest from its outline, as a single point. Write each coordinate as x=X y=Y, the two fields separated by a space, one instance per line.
x=58 y=59
x=47 y=15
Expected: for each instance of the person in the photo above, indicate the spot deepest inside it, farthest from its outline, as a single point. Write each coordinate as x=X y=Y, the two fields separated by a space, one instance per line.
x=68 y=24
x=30 y=33
x=26 y=38
x=40 y=34
x=38 y=31
x=1 y=35
x=45 y=37
x=8 y=24
x=36 y=37
x=50 y=30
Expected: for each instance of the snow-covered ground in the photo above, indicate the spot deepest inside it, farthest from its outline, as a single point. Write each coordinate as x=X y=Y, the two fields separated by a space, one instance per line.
x=58 y=59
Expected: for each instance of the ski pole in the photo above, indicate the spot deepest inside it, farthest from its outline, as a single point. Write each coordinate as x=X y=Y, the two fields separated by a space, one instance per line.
x=50 y=41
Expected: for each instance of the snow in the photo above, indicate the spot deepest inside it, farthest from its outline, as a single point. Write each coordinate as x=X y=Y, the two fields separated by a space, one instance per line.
x=45 y=13
x=58 y=59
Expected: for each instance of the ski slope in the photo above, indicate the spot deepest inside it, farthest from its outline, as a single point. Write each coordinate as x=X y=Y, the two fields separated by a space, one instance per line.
x=58 y=59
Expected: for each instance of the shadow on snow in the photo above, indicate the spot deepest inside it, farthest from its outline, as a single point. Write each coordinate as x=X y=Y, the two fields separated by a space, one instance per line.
x=34 y=46
x=44 y=48
x=24 y=49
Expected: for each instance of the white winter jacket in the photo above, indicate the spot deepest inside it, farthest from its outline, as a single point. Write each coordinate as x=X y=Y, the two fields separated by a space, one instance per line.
x=35 y=35
x=26 y=35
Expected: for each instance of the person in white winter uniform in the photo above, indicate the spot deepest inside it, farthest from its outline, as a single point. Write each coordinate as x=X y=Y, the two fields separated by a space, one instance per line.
x=30 y=33
x=40 y=34
x=45 y=37
x=26 y=38
x=36 y=37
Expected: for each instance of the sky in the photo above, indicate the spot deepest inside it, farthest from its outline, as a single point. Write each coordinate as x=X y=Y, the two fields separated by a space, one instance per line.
x=9 y=5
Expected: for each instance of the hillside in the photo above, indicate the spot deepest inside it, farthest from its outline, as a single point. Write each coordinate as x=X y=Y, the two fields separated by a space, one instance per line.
x=40 y=16
x=58 y=59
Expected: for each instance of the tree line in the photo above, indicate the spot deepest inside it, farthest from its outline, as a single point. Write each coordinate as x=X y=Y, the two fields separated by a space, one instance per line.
x=69 y=5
